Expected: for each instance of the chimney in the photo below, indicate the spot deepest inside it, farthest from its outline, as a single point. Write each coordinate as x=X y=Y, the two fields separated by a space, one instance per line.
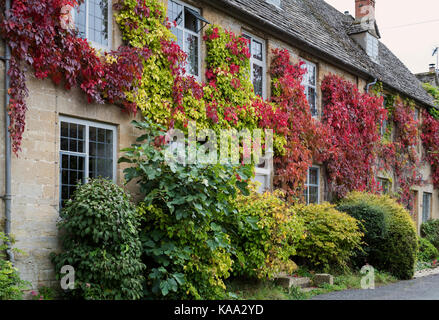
x=432 y=68
x=364 y=8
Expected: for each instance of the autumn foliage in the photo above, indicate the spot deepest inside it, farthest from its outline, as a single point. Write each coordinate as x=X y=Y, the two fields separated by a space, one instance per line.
x=353 y=118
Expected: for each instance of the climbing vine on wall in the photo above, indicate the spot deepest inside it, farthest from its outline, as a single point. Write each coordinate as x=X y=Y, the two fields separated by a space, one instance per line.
x=353 y=118
x=39 y=36
x=430 y=139
x=306 y=138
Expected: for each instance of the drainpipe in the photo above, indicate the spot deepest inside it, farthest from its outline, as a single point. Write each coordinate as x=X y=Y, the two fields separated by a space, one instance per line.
x=371 y=84
x=8 y=196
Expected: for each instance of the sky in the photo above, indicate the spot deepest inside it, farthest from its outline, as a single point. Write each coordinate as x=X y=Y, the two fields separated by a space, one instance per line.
x=408 y=28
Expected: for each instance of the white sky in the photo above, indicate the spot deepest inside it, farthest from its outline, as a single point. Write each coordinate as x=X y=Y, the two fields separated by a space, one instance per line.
x=413 y=44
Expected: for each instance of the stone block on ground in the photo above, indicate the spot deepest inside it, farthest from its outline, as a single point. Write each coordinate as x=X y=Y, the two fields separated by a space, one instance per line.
x=323 y=278
x=288 y=282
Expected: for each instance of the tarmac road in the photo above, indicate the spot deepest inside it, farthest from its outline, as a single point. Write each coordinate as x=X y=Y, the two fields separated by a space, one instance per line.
x=426 y=288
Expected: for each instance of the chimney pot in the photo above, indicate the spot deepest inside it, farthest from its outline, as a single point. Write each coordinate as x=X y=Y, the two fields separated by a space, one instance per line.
x=432 y=67
x=364 y=8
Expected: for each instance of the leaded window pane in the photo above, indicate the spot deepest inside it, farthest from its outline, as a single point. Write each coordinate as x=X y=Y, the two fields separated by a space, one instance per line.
x=191 y=46
x=426 y=207
x=92 y=21
x=81 y=20
x=72 y=173
x=257 y=79
x=257 y=50
x=190 y=21
x=101 y=153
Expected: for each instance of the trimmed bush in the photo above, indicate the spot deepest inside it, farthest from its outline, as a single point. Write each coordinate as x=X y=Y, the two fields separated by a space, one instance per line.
x=427 y=251
x=331 y=239
x=101 y=241
x=430 y=231
x=265 y=234
x=373 y=224
x=397 y=251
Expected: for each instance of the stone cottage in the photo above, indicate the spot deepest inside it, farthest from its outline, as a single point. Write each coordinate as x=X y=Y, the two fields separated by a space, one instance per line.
x=430 y=77
x=65 y=141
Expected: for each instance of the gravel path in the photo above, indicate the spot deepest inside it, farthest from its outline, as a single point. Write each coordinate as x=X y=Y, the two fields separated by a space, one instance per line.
x=425 y=288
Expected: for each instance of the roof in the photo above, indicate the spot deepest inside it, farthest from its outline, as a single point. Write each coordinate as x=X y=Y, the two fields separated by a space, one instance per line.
x=325 y=30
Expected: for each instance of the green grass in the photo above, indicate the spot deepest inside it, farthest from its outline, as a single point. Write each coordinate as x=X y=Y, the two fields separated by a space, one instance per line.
x=268 y=290
x=263 y=290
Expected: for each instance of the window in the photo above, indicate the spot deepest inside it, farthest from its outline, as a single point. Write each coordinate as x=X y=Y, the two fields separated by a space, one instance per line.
x=87 y=150
x=383 y=126
x=274 y=2
x=309 y=82
x=416 y=115
x=312 y=186
x=426 y=206
x=384 y=185
x=93 y=21
x=257 y=63
x=187 y=32
x=372 y=47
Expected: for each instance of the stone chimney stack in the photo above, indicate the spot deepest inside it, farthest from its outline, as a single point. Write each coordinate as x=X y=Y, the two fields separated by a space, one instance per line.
x=365 y=8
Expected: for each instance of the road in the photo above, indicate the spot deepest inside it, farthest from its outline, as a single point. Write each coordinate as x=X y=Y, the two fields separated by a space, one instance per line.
x=426 y=288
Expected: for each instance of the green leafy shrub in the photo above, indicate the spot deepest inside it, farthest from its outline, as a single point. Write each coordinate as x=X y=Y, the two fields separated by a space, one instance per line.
x=427 y=251
x=373 y=225
x=331 y=239
x=265 y=234
x=430 y=231
x=397 y=252
x=101 y=241
x=185 y=245
x=11 y=285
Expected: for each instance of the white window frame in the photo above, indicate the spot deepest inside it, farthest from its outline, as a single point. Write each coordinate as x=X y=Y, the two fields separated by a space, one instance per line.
x=306 y=84
x=96 y=45
x=254 y=61
x=184 y=30
x=307 y=184
x=87 y=124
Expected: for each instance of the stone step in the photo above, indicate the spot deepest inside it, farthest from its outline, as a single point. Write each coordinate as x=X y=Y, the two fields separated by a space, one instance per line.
x=288 y=281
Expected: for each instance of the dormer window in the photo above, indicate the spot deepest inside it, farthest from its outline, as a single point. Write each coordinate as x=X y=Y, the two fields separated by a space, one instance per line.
x=372 y=47
x=274 y=2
